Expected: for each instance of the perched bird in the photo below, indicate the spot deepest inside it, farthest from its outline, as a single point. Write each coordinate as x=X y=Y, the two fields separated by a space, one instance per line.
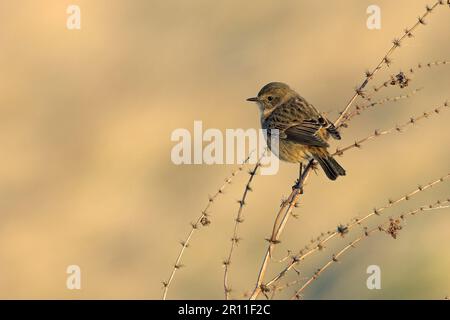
x=303 y=131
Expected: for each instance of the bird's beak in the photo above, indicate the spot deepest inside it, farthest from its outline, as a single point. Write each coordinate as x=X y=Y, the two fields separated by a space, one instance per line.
x=254 y=99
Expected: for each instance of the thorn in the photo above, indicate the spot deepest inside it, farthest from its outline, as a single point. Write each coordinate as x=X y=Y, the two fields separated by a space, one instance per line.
x=184 y=244
x=408 y=33
x=366 y=233
x=272 y=241
x=359 y=92
x=236 y=240
x=396 y=42
x=264 y=288
x=205 y=221
x=342 y=230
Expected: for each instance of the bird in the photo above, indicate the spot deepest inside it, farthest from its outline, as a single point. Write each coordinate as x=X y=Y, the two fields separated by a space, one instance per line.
x=302 y=130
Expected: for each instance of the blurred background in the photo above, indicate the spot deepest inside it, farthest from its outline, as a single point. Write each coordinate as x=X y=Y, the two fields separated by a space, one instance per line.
x=85 y=123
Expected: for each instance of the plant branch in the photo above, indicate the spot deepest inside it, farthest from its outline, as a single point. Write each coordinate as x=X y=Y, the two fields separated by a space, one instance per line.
x=286 y=207
x=386 y=60
x=239 y=219
x=360 y=108
x=202 y=220
x=391 y=227
x=342 y=230
x=398 y=128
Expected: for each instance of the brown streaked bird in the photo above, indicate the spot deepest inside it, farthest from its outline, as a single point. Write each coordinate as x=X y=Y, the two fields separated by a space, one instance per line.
x=303 y=131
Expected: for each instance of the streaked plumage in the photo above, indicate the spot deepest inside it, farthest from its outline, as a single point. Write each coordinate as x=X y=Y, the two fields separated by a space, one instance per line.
x=303 y=130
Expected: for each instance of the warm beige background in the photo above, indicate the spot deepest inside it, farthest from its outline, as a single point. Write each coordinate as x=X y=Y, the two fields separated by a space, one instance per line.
x=85 y=124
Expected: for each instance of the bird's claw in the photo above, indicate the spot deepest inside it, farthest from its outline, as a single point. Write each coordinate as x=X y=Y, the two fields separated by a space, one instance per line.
x=298 y=185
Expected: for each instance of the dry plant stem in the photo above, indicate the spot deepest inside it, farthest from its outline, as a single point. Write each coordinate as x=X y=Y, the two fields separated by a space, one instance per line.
x=357 y=221
x=439 y=205
x=398 y=128
x=386 y=59
x=201 y=220
x=410 y=71
x=284 y=286
x=360 y=108
x=287 y=206
x=239 y=219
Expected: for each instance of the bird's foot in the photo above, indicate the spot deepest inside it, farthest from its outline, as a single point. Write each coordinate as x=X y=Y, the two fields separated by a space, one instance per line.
x=298 y=185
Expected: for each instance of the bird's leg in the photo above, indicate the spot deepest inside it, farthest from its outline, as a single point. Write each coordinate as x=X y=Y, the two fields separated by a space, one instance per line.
x=298 y=183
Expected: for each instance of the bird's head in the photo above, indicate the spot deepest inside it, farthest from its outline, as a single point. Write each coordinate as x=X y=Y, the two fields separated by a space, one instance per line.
x=271 y=95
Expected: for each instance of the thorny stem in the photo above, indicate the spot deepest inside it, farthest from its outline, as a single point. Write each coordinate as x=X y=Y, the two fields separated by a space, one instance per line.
x=287 y=206
x=341 y=230
x=239 y=219
x=410 y=71
x=386 y=59
x=438 y=205
x=201 y=220
x=360 y=108
x=377 y=133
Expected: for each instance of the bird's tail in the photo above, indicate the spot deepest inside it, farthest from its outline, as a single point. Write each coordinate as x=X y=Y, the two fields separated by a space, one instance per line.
x=330 y=166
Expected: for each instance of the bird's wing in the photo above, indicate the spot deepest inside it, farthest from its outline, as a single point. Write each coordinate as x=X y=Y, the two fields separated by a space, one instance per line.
x=298 y=121
x=332 y=130
x=306 y=133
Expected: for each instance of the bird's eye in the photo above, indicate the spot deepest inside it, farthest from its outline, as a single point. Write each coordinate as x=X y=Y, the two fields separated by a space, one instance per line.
x=270 y=98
